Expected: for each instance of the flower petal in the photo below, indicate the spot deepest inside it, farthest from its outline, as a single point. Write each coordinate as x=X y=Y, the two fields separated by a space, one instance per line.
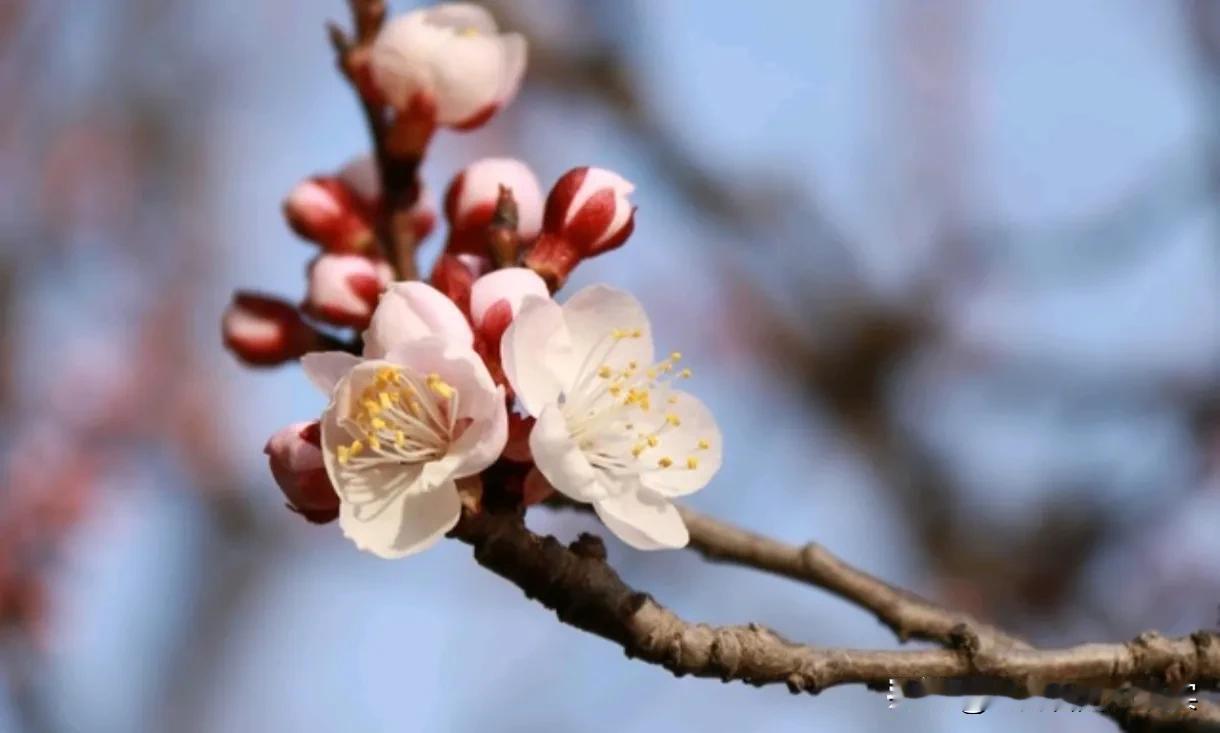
x=693 y=446
x=325 y=368
x=560 y=459
x=410 y=521
x=513 y=284
x=410 y=311
x=536 y=354
x=478 y=400
x=461 y=17
x=594 y=314
x=643 y=520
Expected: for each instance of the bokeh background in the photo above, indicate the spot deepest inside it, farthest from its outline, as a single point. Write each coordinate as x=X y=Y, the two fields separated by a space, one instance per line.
x=948 y=272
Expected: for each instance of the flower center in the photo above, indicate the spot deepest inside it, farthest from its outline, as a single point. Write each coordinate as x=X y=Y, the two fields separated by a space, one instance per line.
x=610 y=409
x=400 y=419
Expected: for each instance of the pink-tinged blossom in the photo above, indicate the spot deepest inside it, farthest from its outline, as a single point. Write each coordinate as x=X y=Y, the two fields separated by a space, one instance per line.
x=344 y=288
x=470 y=203
x=417 y=413
x=610 y=428
x=265 y=331
x=294 y=454
x=448 y=61
x=587 y=213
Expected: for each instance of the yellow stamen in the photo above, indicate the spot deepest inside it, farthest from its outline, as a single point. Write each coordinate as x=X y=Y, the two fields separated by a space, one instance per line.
x=400 y=438
x=665 y=462
x=439 y=386
x=685 y=374
x=672 y=419
x=604 y=372
x=703 y=444
x=652 y=441
x=692 y=463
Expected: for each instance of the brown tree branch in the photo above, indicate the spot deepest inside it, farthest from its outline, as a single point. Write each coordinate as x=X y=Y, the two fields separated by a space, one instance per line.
x=397 y=167
x=586 y=593
x=908 y=615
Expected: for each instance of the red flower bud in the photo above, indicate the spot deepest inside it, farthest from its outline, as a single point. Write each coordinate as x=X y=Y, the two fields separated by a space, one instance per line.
x=470 y=203
x=327 y=211
x=265 y=331
x=295 y=456
x=344 y=289
x=454 y=275
x=587 y=213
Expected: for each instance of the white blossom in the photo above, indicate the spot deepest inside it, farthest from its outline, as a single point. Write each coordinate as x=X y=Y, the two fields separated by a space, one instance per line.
x=418 y=412
x=450 y=57
x=611 y=429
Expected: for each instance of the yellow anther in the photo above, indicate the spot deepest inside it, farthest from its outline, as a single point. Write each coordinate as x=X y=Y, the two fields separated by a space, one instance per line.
x=637 y=449
x=344 y=455
x=384 y=399
x=416 y=409
x=377 y=423
x=636 y=333
x=685 y=373
x=400 y=438
x=692 y=463
x=650 y=373
x=675 y=356
x=371 y=407
x=632 y=364
x=652 y=441
x=356 y=448
x=703 y=444
x=439 y=386
x=665 y=462
x=604 y=372
x=618 y=334
x=615 y=391
x=374 y=443
x=672 y=419
x=387 y=375
x=672 y=401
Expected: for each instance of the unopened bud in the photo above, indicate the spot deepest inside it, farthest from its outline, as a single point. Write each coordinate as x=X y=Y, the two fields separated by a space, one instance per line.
x=587 y=213
x=344 y=288
x=449 y=60
x=324 y=210
x=454 y=277
x=264 y=331
x=472 y=198
x=295 y=456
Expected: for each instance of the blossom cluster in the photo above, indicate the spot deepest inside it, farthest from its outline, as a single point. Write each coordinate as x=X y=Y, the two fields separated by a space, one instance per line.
x=478 y=387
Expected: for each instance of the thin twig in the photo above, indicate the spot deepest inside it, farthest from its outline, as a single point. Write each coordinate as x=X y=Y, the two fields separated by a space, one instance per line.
x=585 y=592
x=398 y=170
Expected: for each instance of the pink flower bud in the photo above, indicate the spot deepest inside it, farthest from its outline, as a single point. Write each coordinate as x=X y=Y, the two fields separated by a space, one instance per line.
x=454 y=278
x=587 y=213
x=343 y=288
x=448 y=61
x=265 y=331
x=471 y=200
x=324 y=210
x=295 y=456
